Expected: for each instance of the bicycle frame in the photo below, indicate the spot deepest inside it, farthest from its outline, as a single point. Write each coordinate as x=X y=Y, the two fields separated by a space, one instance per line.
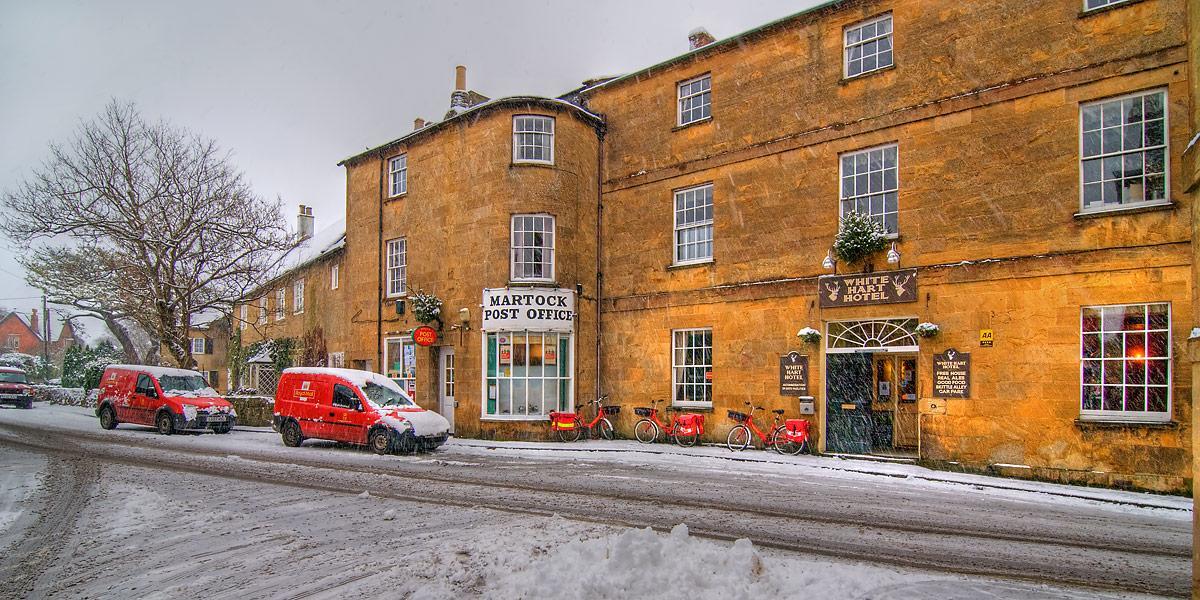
x=667 y=430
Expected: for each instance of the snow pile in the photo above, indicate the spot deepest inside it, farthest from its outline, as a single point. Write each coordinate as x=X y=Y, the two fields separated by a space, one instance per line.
x=639 y=563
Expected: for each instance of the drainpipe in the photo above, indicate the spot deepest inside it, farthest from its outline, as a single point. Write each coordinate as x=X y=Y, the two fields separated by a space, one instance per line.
x=379 y=275
x=599 y=244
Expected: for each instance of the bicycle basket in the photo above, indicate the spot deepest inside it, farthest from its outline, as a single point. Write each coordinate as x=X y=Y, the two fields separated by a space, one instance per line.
x=612 y=410
x=738 y=416
x=642 y=411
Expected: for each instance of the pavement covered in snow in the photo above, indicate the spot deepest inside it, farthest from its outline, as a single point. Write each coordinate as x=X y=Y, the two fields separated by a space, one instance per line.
x=129 y=513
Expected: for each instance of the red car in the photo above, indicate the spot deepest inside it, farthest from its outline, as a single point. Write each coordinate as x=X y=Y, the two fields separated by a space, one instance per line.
x=171 y=400
x=13 y=388
x=354 y=407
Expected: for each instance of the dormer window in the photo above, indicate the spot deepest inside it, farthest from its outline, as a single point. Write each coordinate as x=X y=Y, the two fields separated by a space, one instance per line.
x=533 y=139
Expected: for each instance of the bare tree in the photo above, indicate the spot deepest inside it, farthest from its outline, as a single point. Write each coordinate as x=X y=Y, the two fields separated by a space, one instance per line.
x=144 y=222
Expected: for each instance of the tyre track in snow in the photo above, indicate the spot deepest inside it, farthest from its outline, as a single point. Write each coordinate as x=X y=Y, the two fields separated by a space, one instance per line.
x=1143 y=567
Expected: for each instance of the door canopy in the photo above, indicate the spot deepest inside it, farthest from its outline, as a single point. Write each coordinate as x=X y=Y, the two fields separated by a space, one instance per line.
x=883 y=335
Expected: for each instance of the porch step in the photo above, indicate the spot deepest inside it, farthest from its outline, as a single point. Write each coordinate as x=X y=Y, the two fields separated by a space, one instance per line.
x=875 y=458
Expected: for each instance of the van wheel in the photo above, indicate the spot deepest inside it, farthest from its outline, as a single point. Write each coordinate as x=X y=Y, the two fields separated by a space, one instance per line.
x=164 y=422
x=108 y=418
x=292 y=437
x=380 y=441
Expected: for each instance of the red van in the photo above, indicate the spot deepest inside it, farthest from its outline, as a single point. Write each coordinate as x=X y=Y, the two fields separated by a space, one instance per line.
x=355 y=407
x=14 y=388
x=169 y=399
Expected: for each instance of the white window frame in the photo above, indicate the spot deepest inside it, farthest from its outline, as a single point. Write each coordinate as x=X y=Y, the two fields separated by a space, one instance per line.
x=842 y=198
x=847 y=45
x=518 y=146
x=407 y=381
x=1102 y=4
x=243 y=316
x=298 y=296
x=263 y=310
x=398 y=175
x=334 y=276
x=705 y=105
x=1124 y=415
x=1165 y=147
x=396 y=272
x=695 y=225
x=336 y=360
x=483 y=370
x=515 y=246
x=676 y=368
x=280 y=304
x=12 y=341
x=192 y=342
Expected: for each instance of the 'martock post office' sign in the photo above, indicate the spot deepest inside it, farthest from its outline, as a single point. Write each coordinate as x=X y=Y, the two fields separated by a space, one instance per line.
x=891 y=287
x=533 y=309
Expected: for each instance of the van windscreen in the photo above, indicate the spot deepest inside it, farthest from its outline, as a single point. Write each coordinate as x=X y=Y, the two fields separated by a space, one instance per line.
x=383 y=396
x=182 y=383
x=8 y=377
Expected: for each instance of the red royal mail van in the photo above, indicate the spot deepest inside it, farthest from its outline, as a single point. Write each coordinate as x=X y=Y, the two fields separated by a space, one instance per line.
x=355 y=407
x=169 y=399
x=14 y=389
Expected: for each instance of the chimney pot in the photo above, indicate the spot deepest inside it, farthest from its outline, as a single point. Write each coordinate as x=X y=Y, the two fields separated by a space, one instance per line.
x=304 y=223
x=418 y=123
x=33 y=322
x=460 y=78
x=699 y=38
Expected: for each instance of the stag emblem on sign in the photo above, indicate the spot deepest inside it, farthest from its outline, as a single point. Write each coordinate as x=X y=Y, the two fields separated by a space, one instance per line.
x=834 y=289
x=901 y=285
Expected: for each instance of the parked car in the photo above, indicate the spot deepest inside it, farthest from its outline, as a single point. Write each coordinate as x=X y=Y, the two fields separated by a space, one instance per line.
x=354 y=407
x=14 y=388
x=171 y=400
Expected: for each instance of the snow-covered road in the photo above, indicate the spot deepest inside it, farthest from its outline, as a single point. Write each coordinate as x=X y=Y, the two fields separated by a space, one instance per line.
x=130 y=513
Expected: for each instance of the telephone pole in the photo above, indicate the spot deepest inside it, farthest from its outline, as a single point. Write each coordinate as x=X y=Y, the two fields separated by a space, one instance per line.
x=46 y=332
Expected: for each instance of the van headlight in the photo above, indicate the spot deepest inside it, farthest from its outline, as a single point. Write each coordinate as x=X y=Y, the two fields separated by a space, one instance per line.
x=189 y=412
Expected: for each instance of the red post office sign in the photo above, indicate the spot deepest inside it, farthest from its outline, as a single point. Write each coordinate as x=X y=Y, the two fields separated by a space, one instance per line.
x=425 y=336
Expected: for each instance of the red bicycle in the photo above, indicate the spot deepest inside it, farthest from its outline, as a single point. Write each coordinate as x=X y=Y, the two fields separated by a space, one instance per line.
x=789 y=437
x=685 y=429
x=570 y=427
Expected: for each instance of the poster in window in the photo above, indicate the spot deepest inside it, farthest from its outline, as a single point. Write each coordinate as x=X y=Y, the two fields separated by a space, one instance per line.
x=410 y=360
x=550 y=357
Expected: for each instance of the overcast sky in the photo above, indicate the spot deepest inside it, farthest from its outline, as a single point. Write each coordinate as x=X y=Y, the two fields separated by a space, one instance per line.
x=293 y=87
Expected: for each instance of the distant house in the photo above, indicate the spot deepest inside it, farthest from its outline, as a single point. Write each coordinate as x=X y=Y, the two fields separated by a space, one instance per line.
x=20 y=333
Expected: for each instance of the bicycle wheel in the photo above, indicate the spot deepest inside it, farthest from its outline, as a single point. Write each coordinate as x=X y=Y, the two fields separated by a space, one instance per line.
x=686 y=441
x=606 y=428
x=571 y=435
x=783 y=446
x=645 y=431
x=738 y=438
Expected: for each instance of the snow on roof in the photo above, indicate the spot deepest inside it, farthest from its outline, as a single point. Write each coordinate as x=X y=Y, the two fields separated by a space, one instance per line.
x=321 y=244
x=158 y=371
x=25 y=320
x=262 y=356
x=204 y=319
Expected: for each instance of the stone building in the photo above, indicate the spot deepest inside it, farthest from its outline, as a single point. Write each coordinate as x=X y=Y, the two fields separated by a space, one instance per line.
x=664 y=235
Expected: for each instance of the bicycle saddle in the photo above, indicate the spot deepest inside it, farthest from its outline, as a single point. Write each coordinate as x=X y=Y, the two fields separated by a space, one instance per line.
x=778 y=411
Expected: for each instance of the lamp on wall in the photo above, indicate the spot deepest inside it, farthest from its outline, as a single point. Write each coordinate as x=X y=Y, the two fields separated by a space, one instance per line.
x=829 y=264
x=893 y=256
x=464 y=323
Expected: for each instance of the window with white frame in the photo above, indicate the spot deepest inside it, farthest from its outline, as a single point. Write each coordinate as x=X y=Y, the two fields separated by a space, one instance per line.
x=337 y=360
x=532 y=248
x=1095 y=4
x=280 y=301
x=398 y=175
x=691 y=367
x=400 y=363
x=243 y=316
x=1124 y=151
x=397 y=267
x=868 y=46
x=197 y=345
x=262 y=310
x=870 y=182
x=298 y=296
x=1125 y=356
x=528 y=374
x=333 y=276
x=13 y=341
x=694 y=224
x=695 y=100
x=533 y=139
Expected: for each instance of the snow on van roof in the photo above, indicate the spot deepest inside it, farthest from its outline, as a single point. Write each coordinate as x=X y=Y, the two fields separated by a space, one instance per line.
x=358 y=378
x=158 y=371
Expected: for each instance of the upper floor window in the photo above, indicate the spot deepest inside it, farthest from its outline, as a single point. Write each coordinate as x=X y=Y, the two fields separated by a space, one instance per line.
x=397 y=267
x=533 y=139
x=694 y=224
x=243 y=316
x=398 y=175
x=197 y=345
x=262 y=310
x=1125 y=353
x=298 y=296
x=870 y=184
x=1094 y=4
x=334 y=275
x=532 y=248
x=1124 y=151
x=868 y=46
x=280 y=301
x=13 y=341
x=695 y=100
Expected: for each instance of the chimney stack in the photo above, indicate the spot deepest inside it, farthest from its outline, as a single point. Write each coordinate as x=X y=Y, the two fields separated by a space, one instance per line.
x=459 y=100
x=699 y=38
x=304 y=223
x=33 y=322
x=460 y=78
x=418 y=123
